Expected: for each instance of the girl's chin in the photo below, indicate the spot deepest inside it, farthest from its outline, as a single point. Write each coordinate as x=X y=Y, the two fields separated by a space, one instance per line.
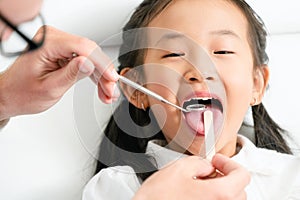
x=187 y=147
x=196 y=149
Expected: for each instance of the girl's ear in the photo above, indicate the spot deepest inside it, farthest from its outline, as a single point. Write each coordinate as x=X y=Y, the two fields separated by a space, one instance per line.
x=135 y=97
x=261 y=80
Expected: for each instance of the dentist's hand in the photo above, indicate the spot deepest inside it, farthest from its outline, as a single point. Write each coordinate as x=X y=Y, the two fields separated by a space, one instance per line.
x=38 y=79
x=176 y=181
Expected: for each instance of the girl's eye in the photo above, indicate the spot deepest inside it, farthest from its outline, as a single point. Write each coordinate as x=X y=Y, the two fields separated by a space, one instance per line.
x=174 y=55
x=223 y=52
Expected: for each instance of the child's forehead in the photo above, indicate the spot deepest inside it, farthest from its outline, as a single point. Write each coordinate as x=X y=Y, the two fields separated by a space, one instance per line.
x=196 y=18
x=192 y=11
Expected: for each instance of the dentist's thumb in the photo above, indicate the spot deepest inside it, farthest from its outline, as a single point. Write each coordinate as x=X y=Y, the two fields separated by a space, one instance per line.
x=77 y=69
x=72 y=71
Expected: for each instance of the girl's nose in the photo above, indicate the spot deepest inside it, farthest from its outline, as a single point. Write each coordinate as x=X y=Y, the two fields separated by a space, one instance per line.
x=194 y=76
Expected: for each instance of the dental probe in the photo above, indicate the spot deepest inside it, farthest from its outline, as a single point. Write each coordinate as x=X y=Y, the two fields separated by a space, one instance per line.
x=150 y=93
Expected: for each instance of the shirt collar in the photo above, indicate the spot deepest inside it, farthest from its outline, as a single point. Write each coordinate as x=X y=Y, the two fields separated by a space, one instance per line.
x=252 y=158
x=249 y=156
x=161 y=153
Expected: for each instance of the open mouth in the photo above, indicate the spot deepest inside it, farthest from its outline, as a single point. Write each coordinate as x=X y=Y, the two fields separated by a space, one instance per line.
x=202 y=103
x=196 y=106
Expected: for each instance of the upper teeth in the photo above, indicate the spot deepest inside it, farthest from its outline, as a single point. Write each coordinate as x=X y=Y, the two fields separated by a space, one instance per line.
x=202 y=103
x=197 y=103
x=200 y=98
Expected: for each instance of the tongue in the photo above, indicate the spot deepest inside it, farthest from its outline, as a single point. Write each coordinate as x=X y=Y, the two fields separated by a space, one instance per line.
x=195 y=121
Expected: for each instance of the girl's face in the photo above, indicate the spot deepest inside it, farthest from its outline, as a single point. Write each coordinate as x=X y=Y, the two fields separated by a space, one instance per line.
x=220 y=29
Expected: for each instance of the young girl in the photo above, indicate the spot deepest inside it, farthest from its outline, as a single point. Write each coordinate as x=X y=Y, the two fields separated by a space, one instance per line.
x=233 y=37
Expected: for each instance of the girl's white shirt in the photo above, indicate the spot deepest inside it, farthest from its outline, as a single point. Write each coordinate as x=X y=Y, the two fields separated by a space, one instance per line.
x=274 y=176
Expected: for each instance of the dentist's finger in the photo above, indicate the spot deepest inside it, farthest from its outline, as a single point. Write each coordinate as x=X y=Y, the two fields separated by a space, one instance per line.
x=193 y=166
x=103 y=65
x=105 y=98
x=109 y=88
x=226 y=165
x=76 y=69
x=87 y=49
x=239 y=177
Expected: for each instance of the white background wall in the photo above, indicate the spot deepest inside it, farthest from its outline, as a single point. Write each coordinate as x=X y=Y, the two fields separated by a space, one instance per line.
x=49 y=155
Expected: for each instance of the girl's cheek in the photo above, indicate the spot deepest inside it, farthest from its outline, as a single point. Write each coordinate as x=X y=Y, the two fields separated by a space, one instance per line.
x=163 y=79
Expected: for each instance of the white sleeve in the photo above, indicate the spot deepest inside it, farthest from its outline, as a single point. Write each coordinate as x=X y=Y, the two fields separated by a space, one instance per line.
x=113 y=183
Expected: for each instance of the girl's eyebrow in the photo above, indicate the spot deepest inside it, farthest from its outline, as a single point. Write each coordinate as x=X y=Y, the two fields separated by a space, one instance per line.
x=170 y=36
x=221 y=32
x=225 y=32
